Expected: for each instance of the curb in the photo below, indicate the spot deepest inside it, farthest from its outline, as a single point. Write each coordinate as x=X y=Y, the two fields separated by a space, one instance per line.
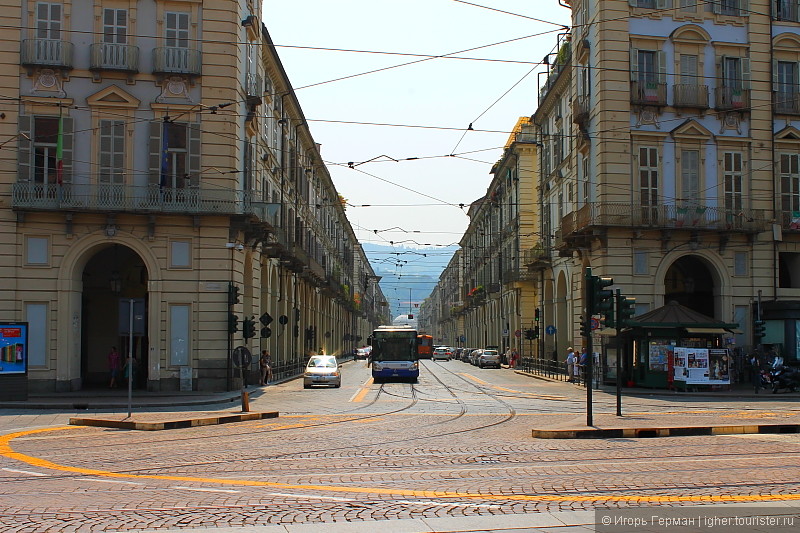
x=170 y=424
x=650 y=432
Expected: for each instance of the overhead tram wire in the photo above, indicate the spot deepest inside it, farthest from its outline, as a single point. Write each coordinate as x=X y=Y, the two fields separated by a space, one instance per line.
x=512 y=14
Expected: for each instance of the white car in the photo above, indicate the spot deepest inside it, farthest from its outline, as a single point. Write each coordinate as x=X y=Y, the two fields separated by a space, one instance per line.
x=442 y=353
x=322 y=370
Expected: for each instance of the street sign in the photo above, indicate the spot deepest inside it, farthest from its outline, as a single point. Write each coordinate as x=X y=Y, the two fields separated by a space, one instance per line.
x=550 y=330
x=241 y=356
x=505 y=333
x=518 y=333
x=595 y=323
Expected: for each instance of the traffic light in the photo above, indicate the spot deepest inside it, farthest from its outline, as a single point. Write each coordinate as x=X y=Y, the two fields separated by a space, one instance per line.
x=536 y=315
x=627 y=308
x=759 y=329
x=233 y=323
x=586 y=327
x=249 y=327
x=233 y=294
x=535 y=332
x=529 y=334
x=601 y=299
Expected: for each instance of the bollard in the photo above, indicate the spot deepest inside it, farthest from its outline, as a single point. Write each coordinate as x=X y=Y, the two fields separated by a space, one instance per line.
x=245 y=402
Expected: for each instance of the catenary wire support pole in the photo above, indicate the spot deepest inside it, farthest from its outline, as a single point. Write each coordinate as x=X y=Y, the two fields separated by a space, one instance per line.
x=130 y=357
x=587 y=317
x=618 y=379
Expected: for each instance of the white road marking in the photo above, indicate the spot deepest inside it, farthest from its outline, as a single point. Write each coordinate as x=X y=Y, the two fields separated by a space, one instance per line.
x=200 y=489
x=24 y=472
x=111 y=481
x=313 y=496
x=445 y=504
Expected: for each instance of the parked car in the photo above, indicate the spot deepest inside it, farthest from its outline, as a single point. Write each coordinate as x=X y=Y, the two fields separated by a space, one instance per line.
x=322 y=370
x=360 y=353
x=465 y=353
x=442 y=353
x=489 y=358
x=473 y=356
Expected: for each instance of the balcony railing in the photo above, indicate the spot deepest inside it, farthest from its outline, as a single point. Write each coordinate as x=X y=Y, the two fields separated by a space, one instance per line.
x=731 y=99
x=686 y=95
x=580 y=109
x=46 y=53
x=662 y=217
x=790 y=220
x=787 y=102
x=176 y=60
x=112 y=56
x=254 y=86
x=561 y=62
x=129 y=198
x=648 y=93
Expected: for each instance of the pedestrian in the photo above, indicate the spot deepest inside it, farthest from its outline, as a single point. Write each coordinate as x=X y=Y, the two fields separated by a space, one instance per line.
x=583 y=362
x=755 y=372
x=570 y=364
x=114 y=364
x=265 y=365
x=514 y=358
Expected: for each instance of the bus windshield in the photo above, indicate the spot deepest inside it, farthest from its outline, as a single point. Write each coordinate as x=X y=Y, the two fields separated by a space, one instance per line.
x=394 y=346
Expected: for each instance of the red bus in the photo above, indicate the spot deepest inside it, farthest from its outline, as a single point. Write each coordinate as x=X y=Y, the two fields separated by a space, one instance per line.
x=424 y=346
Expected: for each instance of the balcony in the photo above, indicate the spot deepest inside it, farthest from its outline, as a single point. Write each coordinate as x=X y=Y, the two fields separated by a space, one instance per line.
x=790 y=220
x=730 y=99
x=51 y=53
x=171 y=60
x=786 y=102
x=786 y=10
x=670 y=217
x=520 y=273
x=648 y=94
x=107 y=198
x=580 y=110
x=690 y=96
x=535 y=258
x=561 y=62
x=111 y=56
x=254 y=88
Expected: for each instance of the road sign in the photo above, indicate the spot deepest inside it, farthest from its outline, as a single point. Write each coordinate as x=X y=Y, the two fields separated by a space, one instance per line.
x=595 y=323
x=241 y=356
x=505 y=333
x=550 y=330
x=518 y=333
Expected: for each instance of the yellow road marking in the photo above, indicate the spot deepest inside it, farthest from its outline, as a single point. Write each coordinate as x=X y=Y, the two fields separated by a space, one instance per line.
x=363 y=392
x=473 y=378
x=7 y=451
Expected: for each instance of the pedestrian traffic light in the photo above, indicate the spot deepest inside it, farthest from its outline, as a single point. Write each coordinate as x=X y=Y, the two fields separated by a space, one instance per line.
x=600 y=299
x=759 y=329
x=627 y=308
x=233 y=294
x=536 y=315
x=249 y=327
x=233 y=323
x=586 y=327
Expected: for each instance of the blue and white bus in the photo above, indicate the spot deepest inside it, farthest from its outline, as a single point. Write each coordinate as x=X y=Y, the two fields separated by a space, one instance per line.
x=394 y=353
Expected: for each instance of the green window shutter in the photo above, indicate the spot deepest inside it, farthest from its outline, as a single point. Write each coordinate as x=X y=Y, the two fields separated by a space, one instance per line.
x=193 y=155
x=745 y=62
x=24 y=148
x=661 y=57
x=634 y=64
x=67 y=148
x=774 y=74
x=154 y=160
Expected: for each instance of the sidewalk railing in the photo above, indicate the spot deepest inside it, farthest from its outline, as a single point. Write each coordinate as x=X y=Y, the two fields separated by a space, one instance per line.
x=544 y=367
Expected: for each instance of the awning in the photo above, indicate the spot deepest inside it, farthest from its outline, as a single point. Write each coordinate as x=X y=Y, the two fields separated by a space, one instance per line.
x=707 y=331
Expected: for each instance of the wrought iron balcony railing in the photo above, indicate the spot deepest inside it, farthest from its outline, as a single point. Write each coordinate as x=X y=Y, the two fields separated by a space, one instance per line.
x=177 y=60
x=648 y=93
x=787 y=102
x=46 y=53
x=112 y=56
x=688 y=95
x=254 y=87
x=129 y=198
x=662 y=217
x=731 y=99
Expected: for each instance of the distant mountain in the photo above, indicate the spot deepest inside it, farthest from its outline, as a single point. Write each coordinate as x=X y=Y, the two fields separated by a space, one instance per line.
x=408 y=275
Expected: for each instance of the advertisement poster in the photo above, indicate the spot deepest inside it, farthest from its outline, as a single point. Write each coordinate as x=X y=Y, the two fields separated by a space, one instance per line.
x=701 y=366
x=13 y=348
x=719 y=365
x=679 y=364
x=659 y=356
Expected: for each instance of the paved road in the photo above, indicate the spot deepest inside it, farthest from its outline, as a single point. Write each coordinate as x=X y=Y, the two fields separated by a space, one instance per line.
x=450 y=453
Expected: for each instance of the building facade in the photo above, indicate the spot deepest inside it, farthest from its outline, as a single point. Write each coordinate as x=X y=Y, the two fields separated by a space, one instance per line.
x=670 y=137
x=159 y=172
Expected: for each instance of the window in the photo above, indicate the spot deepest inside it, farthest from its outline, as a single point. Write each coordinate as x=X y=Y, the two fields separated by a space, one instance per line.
x=36 y=317
x=648 y=74
x=786 y=86
x=174 y=165
x=740 y=264
x=115 y=26
x=179 y=335
x=690 y=176
x=688 y=6
x=48 y=21
x=112 y=152
x=785 y=9
x=729 y=7
x=45 y=139
x=790 y=183
x=640 y=263
x=648 y=183
x=37 y=251
x=689 y=69
x=177 y=30
x=180 y=255
x=732 y=168
x=586 y=180
x=734 y=82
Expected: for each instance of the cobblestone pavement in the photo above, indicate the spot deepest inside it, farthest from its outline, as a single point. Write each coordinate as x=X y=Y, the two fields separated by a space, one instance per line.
x=456 y=445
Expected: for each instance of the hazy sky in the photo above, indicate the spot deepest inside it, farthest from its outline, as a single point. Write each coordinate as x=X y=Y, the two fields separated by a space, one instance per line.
x=432 y=102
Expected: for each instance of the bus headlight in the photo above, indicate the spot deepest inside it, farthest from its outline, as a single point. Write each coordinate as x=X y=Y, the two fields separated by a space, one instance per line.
x=415 y=366
x=377 y=366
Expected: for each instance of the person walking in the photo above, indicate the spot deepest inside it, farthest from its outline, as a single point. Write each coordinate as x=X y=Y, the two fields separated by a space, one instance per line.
x=114 y=365
x=265 y=366
x=570 y=364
